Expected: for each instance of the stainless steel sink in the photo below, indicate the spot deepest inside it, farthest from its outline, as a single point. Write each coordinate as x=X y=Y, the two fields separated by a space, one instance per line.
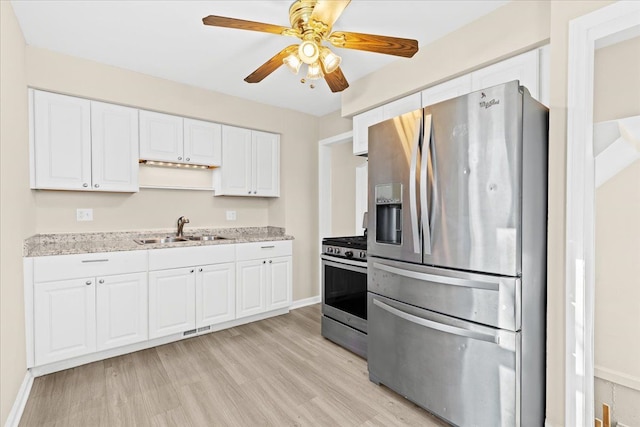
x=205 y=238
x=160 y=240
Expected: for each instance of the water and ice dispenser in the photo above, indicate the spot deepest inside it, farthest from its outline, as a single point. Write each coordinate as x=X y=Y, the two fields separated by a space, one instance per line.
x=388 y=213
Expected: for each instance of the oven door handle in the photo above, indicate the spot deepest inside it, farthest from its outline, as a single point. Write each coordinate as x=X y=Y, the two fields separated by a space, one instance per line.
x=361 y=266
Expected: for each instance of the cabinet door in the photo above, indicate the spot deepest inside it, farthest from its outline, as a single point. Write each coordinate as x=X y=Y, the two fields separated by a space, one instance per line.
x=279 y=283
x=171 y=301
x=523 y=67
x=161 y=137
x=202 y=142
x=361 y=124
x=65 y=319
x=251 y=287
x=121 y=306
x=114 y=147
x=215 y=294
x=266 y=164
x=401 y=106
x=236 y=162
x=447 y=90
x=62 y=141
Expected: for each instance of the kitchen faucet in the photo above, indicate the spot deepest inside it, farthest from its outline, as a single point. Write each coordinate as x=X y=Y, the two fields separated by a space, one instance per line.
x=181 y=222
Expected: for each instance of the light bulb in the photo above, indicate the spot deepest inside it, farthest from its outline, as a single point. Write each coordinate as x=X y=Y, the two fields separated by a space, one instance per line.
x=330 y=60
x=314 y=71
x=293 y=63
x=308 y=52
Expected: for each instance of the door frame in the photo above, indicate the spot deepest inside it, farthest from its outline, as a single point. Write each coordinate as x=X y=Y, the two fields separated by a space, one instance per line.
x=605 y=26
x=324 y=191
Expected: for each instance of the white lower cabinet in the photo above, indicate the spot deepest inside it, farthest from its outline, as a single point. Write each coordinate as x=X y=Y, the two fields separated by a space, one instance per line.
x=121 y=310
x=172 y=296
x=215 y=294
x=264 y=277
x=65 y=319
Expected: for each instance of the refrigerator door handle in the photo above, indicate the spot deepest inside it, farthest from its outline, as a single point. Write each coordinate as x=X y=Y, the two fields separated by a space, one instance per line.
x=413 y=205
x=426 y=148
x=437 y=325
x=487 y=285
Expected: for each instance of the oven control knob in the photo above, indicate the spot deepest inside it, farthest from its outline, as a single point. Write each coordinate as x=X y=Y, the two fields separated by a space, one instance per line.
x=330 y=250
x=363 y=254
x=336 y=250
x=348 y=254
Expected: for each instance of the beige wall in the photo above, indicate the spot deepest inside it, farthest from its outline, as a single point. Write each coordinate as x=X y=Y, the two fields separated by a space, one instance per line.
x=296 y=209
x=617 y=81
x=343 y=189
x=617 y=309
x=17 y=220
x=516 y=27
x=333 y=124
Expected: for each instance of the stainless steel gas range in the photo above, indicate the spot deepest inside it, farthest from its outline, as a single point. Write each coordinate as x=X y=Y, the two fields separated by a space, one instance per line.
x=344 y=292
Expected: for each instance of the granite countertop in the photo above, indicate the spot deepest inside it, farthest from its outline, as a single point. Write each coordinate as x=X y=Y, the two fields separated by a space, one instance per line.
x=79 y=243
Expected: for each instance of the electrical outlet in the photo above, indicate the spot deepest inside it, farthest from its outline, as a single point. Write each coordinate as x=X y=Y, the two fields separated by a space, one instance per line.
x=84 y=215
x=231 y=215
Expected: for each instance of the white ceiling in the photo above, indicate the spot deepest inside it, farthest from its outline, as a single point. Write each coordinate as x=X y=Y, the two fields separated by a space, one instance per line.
x=167 y=39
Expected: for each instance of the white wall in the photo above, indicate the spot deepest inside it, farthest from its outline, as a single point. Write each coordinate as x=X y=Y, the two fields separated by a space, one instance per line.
x=17 y=220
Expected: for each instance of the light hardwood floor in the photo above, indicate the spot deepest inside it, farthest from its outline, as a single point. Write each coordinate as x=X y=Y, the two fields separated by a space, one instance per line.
x=278 y=371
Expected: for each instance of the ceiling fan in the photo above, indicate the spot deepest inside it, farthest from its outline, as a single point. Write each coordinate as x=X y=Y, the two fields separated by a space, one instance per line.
x=311 y=22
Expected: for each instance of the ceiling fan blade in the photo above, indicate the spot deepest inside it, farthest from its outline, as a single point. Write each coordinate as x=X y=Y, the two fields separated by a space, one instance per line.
x=337 y=81
x=271 y=65
x=374 y=43
x=221 y=21
x=328 y=11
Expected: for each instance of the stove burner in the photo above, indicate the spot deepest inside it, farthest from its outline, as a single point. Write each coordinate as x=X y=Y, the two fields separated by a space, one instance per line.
x=355 y=242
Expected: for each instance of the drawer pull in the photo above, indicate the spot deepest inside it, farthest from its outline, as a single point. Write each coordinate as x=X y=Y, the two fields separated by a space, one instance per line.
x=268 y=247
x=437 y=325
x=95 y=260
x=88 y=282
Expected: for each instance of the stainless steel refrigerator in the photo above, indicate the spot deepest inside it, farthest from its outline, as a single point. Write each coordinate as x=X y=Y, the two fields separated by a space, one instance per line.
x=457 y=257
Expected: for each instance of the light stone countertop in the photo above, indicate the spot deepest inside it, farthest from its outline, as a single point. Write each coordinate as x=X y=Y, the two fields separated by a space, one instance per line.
x=80 y=243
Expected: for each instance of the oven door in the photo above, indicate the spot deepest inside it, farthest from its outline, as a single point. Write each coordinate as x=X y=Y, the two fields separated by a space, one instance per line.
x=344 y=291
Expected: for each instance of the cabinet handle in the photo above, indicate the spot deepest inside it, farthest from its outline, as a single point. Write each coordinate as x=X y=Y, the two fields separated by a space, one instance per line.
x=264 y=262
x=187 y=159
x=192 y=271
x=85 y=185
x=200 y=270
x=95 y=260
x=96 y=185
x=101 y=281
x=268 y=247
x=255 y=192
x=270 y=261
x=179 y=158
x=88 y=282
x=249 y=191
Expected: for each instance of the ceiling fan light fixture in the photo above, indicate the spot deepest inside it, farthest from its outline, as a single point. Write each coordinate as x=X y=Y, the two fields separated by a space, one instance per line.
x=308 y=52
x=314 y=71
x=330 y=60
x=293 y=63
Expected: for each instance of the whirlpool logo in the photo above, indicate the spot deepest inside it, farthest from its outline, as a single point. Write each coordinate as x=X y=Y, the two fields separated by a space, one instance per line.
x=488 y=104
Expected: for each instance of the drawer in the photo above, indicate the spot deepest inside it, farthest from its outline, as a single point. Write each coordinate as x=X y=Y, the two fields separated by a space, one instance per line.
x=481 y=298
x=258 y=250
x=465 y=373
x=61 y=267
x=162 y=259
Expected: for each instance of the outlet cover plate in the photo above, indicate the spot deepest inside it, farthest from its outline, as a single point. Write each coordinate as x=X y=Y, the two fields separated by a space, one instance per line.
x=84 y=215
x=231 y=216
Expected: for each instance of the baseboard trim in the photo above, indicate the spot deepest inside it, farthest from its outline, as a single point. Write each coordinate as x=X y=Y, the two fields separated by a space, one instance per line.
x=21 y=401
x=547 y=423
x=305 y=302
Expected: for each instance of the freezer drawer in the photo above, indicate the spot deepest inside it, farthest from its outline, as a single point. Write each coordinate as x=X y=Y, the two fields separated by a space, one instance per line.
x=486 y=299
x=465 y=373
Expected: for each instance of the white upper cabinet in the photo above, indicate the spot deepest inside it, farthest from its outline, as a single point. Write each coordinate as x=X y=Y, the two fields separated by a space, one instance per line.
x=168 y=138
x=447 y=90
x=523 y=67
x=250 y=163
x=61 y=142
x=266 y=164
x=161 y=137
x=202 y=142
x=79 y=144
x=114 y=149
